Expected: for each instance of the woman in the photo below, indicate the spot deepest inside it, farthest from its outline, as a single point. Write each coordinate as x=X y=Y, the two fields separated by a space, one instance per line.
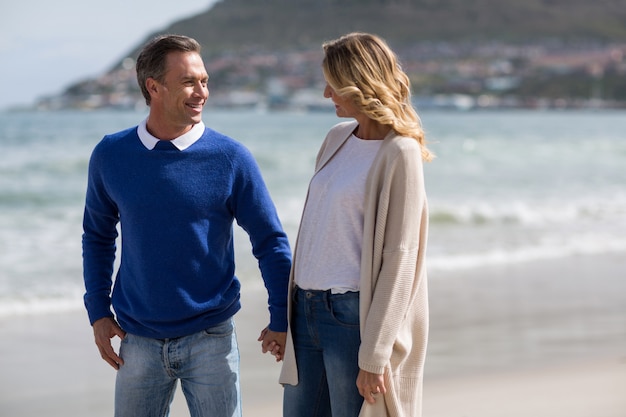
x=358 y=290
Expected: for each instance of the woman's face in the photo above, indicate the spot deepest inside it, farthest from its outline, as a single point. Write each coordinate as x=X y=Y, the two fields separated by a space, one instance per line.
x=343 y=107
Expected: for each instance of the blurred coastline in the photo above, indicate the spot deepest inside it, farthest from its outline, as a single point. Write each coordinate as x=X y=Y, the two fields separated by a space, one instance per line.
x=444 y=76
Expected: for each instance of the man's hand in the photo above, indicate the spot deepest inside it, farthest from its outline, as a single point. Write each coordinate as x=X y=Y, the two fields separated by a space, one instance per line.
x=104 y=330
x=273 y=342
x=370 y=385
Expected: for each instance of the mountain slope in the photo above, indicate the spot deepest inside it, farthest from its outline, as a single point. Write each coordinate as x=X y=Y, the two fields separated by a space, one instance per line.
x=289 y=24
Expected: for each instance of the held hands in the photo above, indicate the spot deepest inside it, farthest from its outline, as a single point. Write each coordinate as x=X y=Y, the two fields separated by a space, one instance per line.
x=370 y=385
x=273 y=342
x=104 y=330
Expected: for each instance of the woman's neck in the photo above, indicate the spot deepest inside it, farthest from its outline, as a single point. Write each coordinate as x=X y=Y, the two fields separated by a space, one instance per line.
x=369 y=129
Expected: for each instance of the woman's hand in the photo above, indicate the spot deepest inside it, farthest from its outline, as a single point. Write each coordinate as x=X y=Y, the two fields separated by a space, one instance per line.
x=370 y=385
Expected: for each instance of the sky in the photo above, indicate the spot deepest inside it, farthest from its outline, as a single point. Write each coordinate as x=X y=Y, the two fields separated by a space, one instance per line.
x=45 y=46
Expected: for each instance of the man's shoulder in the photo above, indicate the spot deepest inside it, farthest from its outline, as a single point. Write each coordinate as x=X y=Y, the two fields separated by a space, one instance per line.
x=119 y=137
x=213 y=134
x=115 y=144
x=217 y=140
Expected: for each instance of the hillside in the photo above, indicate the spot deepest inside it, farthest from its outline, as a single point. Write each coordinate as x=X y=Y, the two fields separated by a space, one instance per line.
x=528 y=53
x=272 y=25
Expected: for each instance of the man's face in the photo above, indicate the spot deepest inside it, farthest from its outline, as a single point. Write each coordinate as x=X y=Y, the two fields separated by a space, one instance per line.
x=181 y=96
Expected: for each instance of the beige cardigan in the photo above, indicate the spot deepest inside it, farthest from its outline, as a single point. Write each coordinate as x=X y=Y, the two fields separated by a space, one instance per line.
x=393 y=293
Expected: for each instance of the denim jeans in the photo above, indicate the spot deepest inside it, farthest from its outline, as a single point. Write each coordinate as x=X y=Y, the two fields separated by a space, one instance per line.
x=206 y=363
x=325 y=329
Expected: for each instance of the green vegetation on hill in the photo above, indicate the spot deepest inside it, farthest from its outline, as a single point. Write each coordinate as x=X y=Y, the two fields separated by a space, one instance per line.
x=292 y=24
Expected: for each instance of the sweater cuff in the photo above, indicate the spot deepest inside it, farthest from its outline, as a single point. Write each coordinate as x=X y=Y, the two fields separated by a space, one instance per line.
x=97 y=311
x=370 y=367
x=278 y=319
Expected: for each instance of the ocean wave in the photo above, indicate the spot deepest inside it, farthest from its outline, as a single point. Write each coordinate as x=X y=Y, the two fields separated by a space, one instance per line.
x=36 y=301
x=37 y=305
x=580 y=246
x=527 y=212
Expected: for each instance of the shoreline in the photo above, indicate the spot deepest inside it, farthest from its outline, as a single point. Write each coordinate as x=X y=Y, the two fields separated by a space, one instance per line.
x=545 y=338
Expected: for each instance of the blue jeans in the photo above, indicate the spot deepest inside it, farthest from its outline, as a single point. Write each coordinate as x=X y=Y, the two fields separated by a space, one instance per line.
x=206 y=363
x=325 y=329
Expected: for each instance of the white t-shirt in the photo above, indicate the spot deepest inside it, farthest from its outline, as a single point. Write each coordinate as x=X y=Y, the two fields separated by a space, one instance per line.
x=331 y=234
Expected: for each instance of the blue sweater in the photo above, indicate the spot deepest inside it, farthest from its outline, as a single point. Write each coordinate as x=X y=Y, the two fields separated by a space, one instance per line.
x=176 y=211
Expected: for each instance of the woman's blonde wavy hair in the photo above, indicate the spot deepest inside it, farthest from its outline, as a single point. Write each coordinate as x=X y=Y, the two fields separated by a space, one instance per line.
x=362 y=67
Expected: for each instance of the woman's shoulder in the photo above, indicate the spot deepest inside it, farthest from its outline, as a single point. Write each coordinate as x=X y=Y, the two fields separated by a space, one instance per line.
x=334 y=139
x=398 y=150
x=399 y=143
x=342 y=129
x=339 y=133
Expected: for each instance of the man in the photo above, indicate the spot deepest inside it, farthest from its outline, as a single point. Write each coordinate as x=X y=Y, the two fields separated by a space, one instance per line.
x=176 y=187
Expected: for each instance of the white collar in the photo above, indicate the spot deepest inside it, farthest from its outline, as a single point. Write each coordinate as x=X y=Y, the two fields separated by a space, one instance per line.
x=182 y=142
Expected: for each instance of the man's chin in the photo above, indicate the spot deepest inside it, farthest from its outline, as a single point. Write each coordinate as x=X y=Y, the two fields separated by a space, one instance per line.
x=196 y=118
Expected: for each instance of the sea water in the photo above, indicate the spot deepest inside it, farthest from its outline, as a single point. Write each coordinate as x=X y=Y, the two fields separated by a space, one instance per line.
x=505 y=188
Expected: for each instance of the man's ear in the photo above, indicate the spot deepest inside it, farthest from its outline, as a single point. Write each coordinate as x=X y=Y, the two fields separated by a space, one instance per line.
x=152 y=86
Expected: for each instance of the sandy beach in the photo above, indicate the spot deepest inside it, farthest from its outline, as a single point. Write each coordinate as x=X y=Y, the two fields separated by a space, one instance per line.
x=545 y=339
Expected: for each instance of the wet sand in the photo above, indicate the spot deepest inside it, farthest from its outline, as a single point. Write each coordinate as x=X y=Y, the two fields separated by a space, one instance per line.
x=546 y=338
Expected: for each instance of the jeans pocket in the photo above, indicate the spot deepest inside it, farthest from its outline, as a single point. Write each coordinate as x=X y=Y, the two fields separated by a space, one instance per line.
x=344 y=308
x=223 y=329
